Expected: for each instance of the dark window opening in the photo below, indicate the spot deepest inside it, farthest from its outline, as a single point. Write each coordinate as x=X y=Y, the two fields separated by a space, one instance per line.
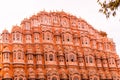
x=20 y=78
x=51 y=57
x=43 y=36
x=63 y=37
x=72 y=60
x=46 y=57
x=6 y=55
x=90 y=60
x=86 y=60
x=75 y=78
x=61 y=59
x=67 y=60
x=48 y=38
x=68 y=40
x=19 y=55
x=54 y=78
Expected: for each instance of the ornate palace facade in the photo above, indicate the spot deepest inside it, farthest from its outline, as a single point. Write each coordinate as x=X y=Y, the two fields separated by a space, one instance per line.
x=57 y=46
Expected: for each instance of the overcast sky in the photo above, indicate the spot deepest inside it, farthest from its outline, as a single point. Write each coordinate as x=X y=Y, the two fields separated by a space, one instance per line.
x=12 y=12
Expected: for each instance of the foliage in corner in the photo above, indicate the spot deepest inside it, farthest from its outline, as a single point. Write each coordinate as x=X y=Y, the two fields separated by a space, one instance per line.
x=109 y=8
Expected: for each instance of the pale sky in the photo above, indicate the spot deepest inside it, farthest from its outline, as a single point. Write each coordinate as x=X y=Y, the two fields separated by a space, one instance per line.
x=12 y=12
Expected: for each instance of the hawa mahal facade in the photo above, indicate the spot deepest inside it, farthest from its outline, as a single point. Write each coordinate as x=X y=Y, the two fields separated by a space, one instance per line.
x=57 y=46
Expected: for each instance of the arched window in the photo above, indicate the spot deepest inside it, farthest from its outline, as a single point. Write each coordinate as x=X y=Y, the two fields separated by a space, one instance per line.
x=6 y=56
x=113 y=61
x=14 y=55
x=30 y=57
x=46 y=57
x=47 y=36
x=100 y=46
x=39 y=57
x=63 y=38
x=90 y=59
x=35 y=23
x=66 y=57
x=28 y=38
x=61 y=59
x=18 y=36
x=94 y=44
x=72 y=57
x=36 y=37
x=57 y=38
x=13 y=36
x=75 y=78
x=19 y=55
x=81 y=60
x=20 y=78
x=5 y=37
x=67 y=37
x=54 y=78
x=82 y=26
x=51 y=57
x=55 y=19
x=86 y=59
x=85 y=41
x=27 y=26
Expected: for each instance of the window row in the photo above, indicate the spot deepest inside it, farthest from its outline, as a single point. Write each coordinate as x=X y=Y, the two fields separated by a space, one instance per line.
x=19 y=57
x=55 y=21
x=65 y=38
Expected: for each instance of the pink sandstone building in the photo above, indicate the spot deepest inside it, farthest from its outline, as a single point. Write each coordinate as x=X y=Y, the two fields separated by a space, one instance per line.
x=57 y=46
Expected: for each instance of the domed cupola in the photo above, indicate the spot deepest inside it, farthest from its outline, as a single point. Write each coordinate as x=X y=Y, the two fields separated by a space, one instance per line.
x=16 y=29
x=6 y=49
x=16 y=34
x=29 y=50
x=60 y=53
x=5 y=31
x=26 y=26
x=80 y=55
x=5 y=36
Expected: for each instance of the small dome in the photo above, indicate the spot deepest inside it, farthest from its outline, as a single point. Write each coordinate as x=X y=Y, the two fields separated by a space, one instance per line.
x=6 y=49
x=80 y=54
x=104 y=56
x=16 y=29
x=98 y=55
x=39 y=52
x=57 y=32
x=30 y=50
x=60 y=53
x=33 y=17
x=25 y=20
x=5 y=31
